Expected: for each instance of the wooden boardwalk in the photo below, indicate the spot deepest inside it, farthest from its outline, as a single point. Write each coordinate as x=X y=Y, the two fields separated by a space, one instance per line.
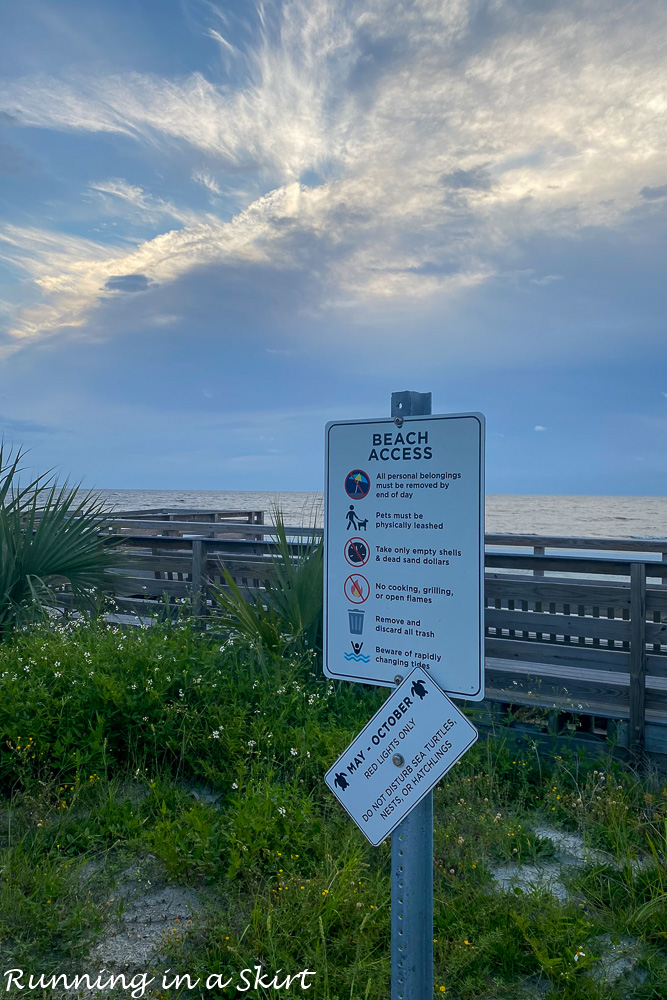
x=577 y=626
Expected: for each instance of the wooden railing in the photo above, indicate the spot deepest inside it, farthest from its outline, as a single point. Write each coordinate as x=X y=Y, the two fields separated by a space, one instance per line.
x=572 y=625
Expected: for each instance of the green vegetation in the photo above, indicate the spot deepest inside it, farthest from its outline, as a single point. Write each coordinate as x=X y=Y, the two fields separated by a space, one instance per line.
x=200 y=759
x=287 y=615
x=48 y=535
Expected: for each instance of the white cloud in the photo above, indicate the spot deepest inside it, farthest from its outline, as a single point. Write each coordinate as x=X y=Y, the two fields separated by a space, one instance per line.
x=146 y=207
x=437 y=149
x=538 y=427
x=202 y=177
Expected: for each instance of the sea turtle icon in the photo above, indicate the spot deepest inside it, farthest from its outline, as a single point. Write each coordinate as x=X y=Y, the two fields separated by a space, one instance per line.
x=341 y=781
x=418 y=689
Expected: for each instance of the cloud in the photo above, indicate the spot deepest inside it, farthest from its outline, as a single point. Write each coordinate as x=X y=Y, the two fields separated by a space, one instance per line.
x=145 y=206
x=538 y=427
x=127 y=283
x=547 y=279
x=440 y=140
x=653 y=193
x=208 y=181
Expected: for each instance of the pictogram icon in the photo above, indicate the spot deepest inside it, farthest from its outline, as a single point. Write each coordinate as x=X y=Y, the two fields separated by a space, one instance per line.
x=357 y=484
x=357 y=552
x=357 y=588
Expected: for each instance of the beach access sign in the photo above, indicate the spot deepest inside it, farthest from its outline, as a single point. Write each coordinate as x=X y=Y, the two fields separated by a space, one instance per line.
x=404 y=551
x=406 y=748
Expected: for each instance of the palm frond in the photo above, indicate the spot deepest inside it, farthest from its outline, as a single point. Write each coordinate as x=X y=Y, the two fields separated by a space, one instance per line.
x=48 y=534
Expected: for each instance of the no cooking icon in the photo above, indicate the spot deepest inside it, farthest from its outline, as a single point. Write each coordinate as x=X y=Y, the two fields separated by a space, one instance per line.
x=357 y=588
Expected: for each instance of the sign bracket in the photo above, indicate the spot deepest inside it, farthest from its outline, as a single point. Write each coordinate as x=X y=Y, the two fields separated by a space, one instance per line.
x=410 y=404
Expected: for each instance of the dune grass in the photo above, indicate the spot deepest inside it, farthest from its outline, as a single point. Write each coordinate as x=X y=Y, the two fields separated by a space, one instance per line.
x=207 y=755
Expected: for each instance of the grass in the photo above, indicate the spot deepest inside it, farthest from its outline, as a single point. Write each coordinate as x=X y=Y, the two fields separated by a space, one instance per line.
x=208 y=756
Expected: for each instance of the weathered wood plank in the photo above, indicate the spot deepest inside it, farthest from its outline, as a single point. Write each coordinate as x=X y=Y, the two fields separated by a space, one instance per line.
x=576 y=542
x=588 y=697
x=656 y=599
x=575 y=591
x=569 y=564
x=556 y=624
x=217 y=546
x=213 y=528
x=557 y=654
x=128 y=586
x=655 y=632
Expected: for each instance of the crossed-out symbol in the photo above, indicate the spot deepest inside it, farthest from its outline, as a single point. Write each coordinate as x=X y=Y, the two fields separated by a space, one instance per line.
x=357 y=552
x=357 y=588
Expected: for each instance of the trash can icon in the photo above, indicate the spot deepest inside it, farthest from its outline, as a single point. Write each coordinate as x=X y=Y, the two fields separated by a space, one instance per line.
x=356 y=622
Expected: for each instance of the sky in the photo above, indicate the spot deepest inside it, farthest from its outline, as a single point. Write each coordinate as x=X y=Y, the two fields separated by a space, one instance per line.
x=223 y=224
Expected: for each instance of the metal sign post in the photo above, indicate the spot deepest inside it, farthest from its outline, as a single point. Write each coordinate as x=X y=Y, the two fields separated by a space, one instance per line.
x=403 y=608
x=412 y=850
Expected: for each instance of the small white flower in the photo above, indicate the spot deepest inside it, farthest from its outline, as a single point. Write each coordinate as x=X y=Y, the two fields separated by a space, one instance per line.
x=56 y=674
x=234 y=785
x=282 y=810
x=27 y=670
x=293 y=751
x=216 y=734
x=251 y=743
x=145 y=718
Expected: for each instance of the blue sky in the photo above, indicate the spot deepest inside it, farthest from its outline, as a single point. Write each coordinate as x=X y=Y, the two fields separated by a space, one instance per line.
x=226 y=223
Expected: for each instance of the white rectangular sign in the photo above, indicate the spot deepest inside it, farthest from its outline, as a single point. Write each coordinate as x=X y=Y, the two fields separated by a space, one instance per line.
x=406 y=748
x=404 y=551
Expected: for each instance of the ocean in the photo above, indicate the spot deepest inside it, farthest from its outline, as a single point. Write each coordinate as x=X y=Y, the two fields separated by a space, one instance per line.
x=582 y=516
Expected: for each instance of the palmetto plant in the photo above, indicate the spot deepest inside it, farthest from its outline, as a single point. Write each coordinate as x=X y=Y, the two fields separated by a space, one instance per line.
x=49 y=535
x=288 y=611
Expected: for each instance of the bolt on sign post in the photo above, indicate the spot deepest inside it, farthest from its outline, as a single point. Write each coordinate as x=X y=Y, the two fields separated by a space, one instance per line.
x=403 y=608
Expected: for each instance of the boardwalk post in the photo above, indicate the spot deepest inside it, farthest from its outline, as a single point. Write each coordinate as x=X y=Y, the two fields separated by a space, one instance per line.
x=412 y=850
x=637 y=657
x=198 y=592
